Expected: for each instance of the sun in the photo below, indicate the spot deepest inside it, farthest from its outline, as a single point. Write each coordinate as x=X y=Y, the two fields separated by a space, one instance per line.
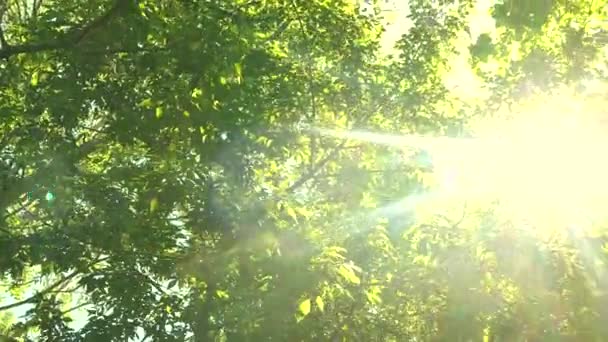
x=547 y=160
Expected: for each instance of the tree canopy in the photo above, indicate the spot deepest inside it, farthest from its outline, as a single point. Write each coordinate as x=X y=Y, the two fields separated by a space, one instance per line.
x=260 y=170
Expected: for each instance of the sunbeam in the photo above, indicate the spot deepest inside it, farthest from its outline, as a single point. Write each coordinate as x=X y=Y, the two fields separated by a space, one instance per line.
x=544 y=162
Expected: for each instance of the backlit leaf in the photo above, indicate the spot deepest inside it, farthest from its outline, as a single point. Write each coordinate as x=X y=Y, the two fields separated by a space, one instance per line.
x=348 y=274
x=320 y=304
x=304 y=307
x=159 y=112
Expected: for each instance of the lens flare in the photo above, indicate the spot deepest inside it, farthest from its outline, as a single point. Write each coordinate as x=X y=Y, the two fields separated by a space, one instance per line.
x=49 y=196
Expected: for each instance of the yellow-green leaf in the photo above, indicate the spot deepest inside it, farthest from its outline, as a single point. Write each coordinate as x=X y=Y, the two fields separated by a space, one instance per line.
x=34 y=79
x=304 y=212
x=154 y=204
x=238 y=70
x=304 y=307
x=196 y=93
x=159 y=112
x=292 y=214
x=348 y=274
x=373 y=295
x=147 y=103
x=320 y=303
x=222 y=294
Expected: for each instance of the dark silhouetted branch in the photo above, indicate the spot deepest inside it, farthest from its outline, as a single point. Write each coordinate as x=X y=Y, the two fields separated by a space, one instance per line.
x=315 y=169
x=74 y=308
x=49 y=289
x=69 y=40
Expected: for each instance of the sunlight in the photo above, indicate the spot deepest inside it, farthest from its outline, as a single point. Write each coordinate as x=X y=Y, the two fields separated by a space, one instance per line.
x=544 y=162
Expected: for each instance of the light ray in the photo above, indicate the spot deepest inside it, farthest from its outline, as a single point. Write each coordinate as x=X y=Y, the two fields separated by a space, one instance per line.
x=546 y=162
x=401 y=141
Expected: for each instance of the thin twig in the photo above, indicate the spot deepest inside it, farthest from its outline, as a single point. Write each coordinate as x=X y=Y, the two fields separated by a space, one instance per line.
x=282 y=27
x=404 y=169
x=92 y=129
x=74 y=308
x=152 y=282
x=460 y=220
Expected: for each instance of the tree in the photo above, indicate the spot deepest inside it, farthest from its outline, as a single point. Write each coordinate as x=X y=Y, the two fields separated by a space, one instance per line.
x=175 y=170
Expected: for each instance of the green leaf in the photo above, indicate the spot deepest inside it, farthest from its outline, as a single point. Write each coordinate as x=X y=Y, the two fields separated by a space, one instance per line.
x=304 y=307
x=483 y=47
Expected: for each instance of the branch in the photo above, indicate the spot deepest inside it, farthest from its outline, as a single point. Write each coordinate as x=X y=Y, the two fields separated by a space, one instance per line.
x=118 y=5
x=153 y=283
x=403 y=169
x=111 y=51
x=92 y=129
x=53 y=286
x=282 y=27
x=74 y=308
x=41 y=293
x=454 y=225
x=68 y=40
x=16 y=211
x=8 y=215
x=89 y=147
x=311 y=83
x=7 y=284
x=314 y=170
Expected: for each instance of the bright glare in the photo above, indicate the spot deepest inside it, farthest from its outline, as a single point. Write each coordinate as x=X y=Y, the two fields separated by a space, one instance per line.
x=546 y=163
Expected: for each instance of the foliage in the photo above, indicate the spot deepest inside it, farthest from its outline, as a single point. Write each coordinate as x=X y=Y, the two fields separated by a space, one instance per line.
x=164 y=176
